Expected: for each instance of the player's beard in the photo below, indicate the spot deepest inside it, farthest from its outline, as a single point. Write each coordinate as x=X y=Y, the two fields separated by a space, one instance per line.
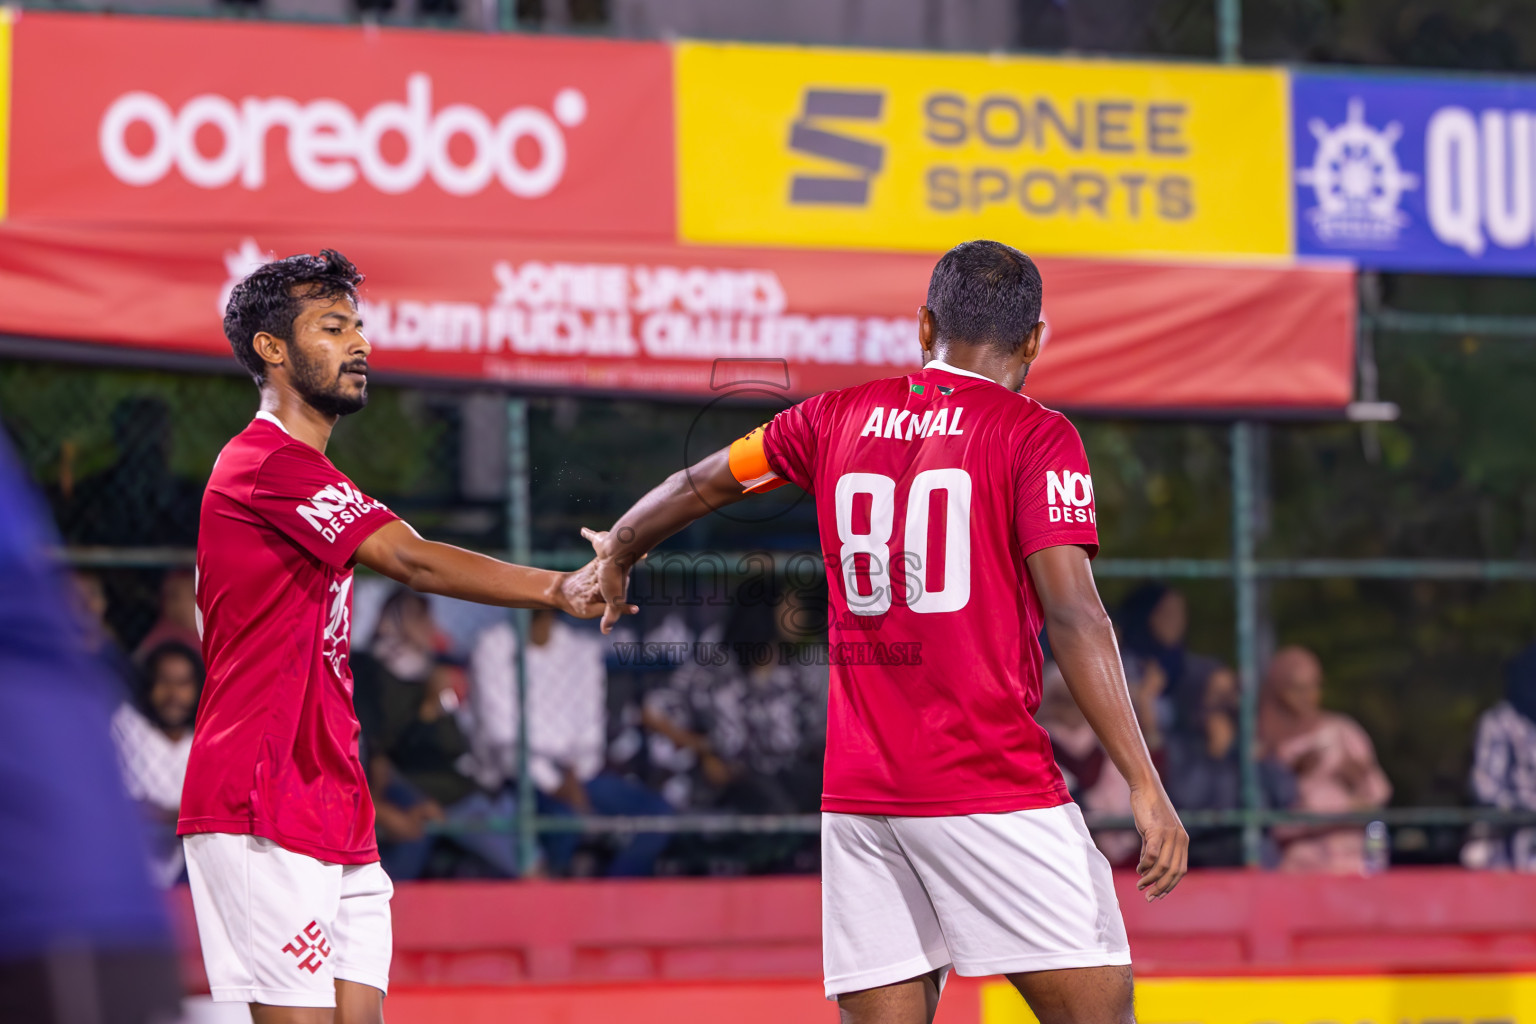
x=326 y=394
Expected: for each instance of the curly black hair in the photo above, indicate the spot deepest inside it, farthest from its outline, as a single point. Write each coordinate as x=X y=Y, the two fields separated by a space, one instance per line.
x=985 y=292
x=272 y=297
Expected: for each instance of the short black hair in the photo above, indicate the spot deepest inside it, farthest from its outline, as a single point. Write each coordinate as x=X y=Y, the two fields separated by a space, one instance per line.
x=985 y=292
x=273 y=296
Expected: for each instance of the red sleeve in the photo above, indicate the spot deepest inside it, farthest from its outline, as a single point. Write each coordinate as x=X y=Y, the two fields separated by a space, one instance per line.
x=789 y=441
x=307 y=499
x=1053 y=490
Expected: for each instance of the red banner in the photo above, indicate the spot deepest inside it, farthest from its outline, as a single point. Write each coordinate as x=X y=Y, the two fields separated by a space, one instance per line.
x=659 y=318
x=184 y=122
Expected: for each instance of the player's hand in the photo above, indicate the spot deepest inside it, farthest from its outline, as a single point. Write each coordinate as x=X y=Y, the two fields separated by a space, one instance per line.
x=612 y=576
x=1164 y=843
x=583 y=594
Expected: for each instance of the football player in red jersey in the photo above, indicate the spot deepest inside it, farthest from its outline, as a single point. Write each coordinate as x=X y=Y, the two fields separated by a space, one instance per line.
x=292 y=906
x=957 y=519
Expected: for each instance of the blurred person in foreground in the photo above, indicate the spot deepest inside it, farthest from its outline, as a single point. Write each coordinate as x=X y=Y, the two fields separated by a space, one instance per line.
x=567 y=736
x=292 y=906
x=1504 y=768
x=1332 y=759
x=83 y=934
x=957 y=519
x=153 y=733
x=406 y=695
x=1203 y=771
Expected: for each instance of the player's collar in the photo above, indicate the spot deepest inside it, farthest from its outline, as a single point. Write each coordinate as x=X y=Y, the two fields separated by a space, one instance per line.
x=939 y=364
x=264 y=415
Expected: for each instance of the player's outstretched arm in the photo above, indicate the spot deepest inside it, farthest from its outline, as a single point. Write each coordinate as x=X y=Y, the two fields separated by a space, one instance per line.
x=1083 y=643
x=399 y=552
x=685 y=496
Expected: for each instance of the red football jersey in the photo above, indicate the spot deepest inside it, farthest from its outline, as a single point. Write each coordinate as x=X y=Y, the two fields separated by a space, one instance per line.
x=931 y=490
x=274 y=750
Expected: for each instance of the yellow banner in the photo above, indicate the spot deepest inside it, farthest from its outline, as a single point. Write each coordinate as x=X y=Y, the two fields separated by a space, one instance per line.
x=1415 y=999
x=863 y=149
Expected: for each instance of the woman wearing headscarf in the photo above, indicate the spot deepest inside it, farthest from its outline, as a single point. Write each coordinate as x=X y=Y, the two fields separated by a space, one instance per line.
x=1504 y=766
x=1332 y=758
x=1154 y=624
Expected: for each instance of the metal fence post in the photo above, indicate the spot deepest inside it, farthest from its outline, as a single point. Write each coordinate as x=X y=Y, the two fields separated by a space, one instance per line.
x=520 y=542
x=1245 y=584
x=1229 y=30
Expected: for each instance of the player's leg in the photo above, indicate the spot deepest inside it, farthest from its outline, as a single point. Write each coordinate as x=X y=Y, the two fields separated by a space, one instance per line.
x=883 y=949
x=357 y=1003
x=1083 y=995
x=364 y=944
x=1028 y=895
x=914 y=1001
x=263 y=1014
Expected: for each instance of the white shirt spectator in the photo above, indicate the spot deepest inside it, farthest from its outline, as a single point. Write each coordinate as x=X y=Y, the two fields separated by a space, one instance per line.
x=154 y=767
x=567 y=707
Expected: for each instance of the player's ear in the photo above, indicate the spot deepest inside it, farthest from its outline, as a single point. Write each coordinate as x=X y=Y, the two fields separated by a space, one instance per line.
x=1033 y=340
x=925 y=332
x=270 y=349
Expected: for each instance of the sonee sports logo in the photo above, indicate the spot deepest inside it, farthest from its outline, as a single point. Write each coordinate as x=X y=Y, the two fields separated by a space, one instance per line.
x=862 y=159
x=333 y=508
x=309 y=948
x=1069 y=496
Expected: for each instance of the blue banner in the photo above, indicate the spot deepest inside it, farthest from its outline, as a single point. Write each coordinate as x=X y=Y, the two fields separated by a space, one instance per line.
x=1428 y=174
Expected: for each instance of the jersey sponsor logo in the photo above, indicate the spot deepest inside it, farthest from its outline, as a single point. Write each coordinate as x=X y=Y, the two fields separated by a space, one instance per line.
x=1069 y=497
x=906 y=425
x=309 y=947
x=335 y=507
x=338 y=626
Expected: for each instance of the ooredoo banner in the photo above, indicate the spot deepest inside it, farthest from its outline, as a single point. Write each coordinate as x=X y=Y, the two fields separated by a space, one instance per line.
x=185 y=122
x=681 y=320
x=1428 y=174
x=857 y=148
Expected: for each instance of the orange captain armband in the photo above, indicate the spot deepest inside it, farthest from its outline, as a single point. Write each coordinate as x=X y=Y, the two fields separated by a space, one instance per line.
x=749 y=464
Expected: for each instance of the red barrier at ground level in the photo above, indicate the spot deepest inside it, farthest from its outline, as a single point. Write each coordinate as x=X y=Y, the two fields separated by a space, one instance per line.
x=497 y=934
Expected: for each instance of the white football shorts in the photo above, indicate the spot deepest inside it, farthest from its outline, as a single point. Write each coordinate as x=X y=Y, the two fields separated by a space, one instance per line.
x=281 y=928
x=980 y=893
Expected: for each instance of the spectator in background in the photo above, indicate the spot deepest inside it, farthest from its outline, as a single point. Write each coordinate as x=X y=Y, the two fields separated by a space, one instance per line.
x=89 y=595
x=137 y=501
x=1504 y=767
x=1203 y=772
x=567 y=702
x=755 y=724
x=153 y=733
x=406 y=696
x=1332 y=758
x=178 y=615
x=1154 y=625
x=1092 y=778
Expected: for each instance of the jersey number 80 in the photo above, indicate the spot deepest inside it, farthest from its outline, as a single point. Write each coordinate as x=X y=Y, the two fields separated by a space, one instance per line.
x=955 y=484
